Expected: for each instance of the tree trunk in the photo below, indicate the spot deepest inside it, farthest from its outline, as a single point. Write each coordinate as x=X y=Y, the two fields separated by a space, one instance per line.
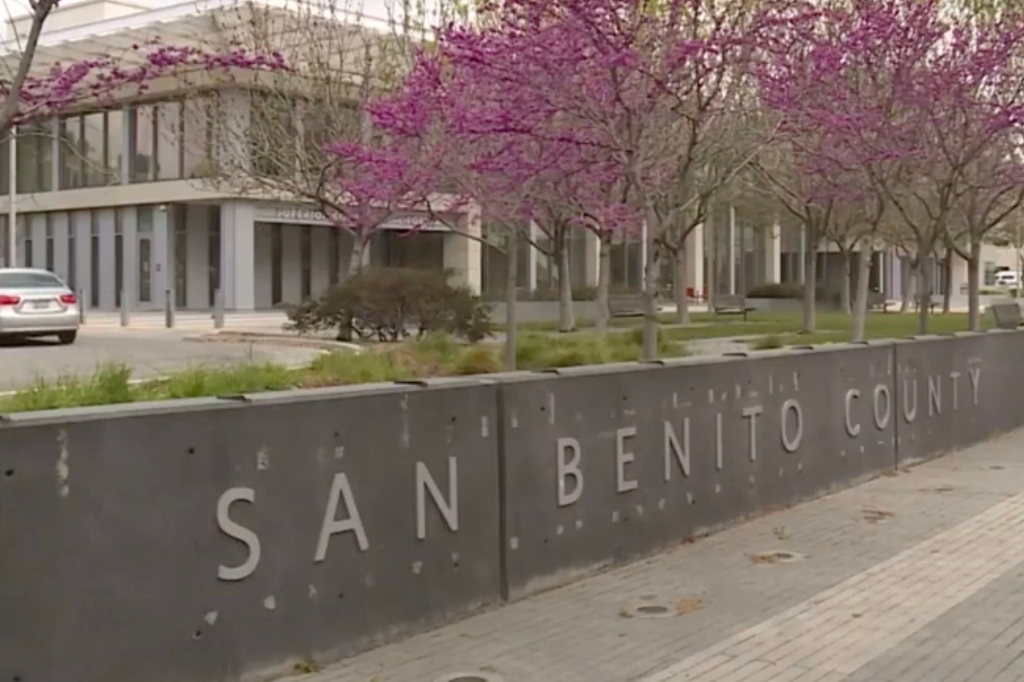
x=650 y=293
x=924 y=292
x=844 y=291
x=860 y=308
x=355 y=261
x=974 y=287
x=511 y=286
x=947 y=289
x=679 y=288
x=810 y=282
x=566 y=316
x=604 y=281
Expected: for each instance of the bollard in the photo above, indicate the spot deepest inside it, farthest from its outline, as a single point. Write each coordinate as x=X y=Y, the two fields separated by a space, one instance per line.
x=218 y=309
x=125 y=313
x=168 y=308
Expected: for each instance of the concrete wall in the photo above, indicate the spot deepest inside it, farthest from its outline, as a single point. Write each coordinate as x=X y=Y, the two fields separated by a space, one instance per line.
x=218 y=539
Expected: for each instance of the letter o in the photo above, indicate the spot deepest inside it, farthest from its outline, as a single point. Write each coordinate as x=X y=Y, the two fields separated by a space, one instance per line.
x=882 y=420
x=791 y=444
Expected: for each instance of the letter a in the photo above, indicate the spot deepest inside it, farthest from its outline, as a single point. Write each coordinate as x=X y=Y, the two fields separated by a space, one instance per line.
x=333 y=526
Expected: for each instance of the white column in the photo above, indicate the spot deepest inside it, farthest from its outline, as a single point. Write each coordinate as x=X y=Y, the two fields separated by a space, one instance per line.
x=592 y=244
x=731 y=251
x=237 y=255
x=130 y=254
x=772 y=254
x=695 y=259
x=37 y=228
x=61 y=257
x=162 y=258
x=105 y=227
x=81 y=223
x=462 y=254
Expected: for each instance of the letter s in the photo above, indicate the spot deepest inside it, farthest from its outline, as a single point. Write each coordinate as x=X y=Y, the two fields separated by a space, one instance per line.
x=238 y=532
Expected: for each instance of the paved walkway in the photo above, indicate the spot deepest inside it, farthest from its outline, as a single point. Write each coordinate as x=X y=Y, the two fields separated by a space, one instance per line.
x=917 y=577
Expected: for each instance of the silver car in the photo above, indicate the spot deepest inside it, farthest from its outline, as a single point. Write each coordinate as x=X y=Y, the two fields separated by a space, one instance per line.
x=36 y=302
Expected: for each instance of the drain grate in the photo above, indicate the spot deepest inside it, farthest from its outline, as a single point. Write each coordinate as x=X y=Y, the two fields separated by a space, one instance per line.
x=648 y=608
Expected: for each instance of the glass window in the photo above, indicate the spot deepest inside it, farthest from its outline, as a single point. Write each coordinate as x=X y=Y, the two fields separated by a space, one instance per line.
x=276 y=263
x=115 y=146
x=118 y=256
x=35 y=157
x=169 y=141
x=214 y=249
x=23 y=242
x=334 y=256
x=141 y=126
x=70 y=161
x=197 y=138
x=3 y=239
x=29 y=280
x=50 y=256
x=94 y=261
x=94 y=150
x=273 y=135
x=306 y=256
x=72 y=260
x=145 y=262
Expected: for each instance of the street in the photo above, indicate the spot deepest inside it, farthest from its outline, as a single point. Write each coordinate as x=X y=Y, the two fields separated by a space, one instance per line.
x=150 y=353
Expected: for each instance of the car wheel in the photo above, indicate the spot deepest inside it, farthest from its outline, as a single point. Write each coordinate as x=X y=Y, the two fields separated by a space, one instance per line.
x=67 y=338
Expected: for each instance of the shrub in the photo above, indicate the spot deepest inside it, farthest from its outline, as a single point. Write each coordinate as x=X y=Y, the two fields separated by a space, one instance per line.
x=788 y=290
x=477 y=360
x=767 y=342
x=389 y=304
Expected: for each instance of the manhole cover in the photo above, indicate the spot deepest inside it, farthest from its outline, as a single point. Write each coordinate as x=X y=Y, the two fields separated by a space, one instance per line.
x=777 y=556
x=469 y=677
x=649 y=609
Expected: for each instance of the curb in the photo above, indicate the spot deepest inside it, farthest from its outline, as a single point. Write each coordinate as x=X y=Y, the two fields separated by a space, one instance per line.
x=274 y=339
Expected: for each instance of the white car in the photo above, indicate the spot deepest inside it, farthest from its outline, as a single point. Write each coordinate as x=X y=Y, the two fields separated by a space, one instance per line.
x=1007 y=279
x=36 y=302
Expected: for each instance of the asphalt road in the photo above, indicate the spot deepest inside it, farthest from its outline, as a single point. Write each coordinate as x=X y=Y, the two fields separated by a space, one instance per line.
x=149 y=354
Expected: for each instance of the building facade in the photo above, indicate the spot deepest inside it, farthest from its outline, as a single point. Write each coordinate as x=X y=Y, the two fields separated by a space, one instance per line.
x=119 y=203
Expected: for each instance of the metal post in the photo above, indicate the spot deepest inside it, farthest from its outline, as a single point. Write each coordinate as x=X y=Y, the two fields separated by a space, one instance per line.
x=125 y=313
x=169 y=308
x=81 y=306
x=218 y=309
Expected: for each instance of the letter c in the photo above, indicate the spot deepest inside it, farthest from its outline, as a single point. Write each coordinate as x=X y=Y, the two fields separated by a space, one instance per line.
x=852 y=429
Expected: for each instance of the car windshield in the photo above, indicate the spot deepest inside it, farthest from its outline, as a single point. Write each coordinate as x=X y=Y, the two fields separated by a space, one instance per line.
x=28 y=280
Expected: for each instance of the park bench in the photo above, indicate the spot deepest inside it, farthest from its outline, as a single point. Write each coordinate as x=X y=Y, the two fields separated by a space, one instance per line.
x=626 y=305
x=730 y=304
x=877 y=300
x=1007 y=315
x=934 y=302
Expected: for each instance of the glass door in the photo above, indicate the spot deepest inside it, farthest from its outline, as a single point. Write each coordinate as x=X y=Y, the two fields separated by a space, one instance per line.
x=145 y=271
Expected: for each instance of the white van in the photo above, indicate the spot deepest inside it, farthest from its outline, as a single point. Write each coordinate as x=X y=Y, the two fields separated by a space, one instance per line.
x=1007 y=279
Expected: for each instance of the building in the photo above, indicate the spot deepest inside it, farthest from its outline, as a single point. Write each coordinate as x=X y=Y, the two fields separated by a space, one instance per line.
x=119 y=202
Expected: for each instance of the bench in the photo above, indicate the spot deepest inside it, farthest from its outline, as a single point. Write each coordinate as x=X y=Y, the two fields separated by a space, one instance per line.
x=730 y=304
x=935 y=302
x=876 y=300
x=1007 y=315
x=626 y=305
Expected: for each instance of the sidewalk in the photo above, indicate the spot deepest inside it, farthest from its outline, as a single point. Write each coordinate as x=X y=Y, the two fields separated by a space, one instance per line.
x=192 y=321
x=911 y=578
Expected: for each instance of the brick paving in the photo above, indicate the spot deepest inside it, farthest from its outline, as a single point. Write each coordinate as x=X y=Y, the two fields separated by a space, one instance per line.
x=911 y=578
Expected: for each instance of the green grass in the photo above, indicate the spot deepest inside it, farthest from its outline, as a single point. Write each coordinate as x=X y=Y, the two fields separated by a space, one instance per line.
x=440 y=355
x=435 y=355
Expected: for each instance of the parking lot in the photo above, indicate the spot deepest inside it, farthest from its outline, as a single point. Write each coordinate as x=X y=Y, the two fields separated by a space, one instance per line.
x=149 y=353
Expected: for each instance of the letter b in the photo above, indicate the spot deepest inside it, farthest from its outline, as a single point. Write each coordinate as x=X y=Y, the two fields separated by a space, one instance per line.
x=567 y=470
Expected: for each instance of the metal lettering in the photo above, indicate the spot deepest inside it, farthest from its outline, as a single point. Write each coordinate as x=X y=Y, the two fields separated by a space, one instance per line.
x=751 y=414
x=672 y=448
x=331 y=525
x=449 y=508
x=852 y=429
x=791 y=444
x=622 y=458
x=238 y=532
x=566 y=469
x=882 y=421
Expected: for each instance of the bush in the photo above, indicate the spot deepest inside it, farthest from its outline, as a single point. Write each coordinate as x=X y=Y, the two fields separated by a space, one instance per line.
x=769 y=342
x=388 y=304
x=788 y=290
